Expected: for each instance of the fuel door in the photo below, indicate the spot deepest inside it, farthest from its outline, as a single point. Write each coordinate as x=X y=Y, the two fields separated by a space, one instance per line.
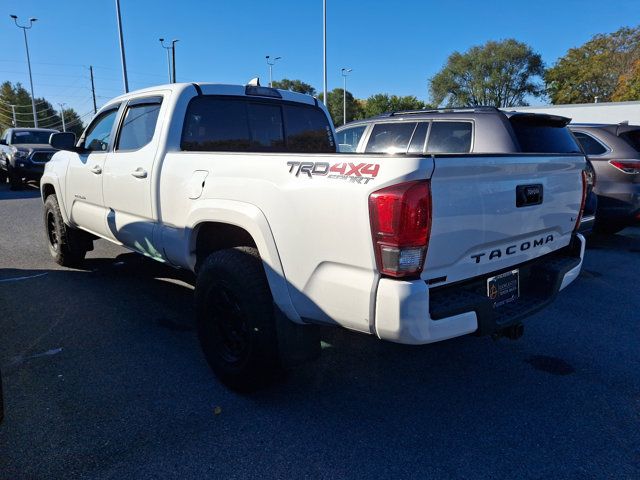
x=196 y=183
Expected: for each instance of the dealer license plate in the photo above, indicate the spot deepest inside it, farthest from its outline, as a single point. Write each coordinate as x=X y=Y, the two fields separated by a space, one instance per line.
x=504 y=288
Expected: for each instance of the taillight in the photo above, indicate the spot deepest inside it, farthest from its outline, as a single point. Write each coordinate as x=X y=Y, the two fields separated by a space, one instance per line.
x=582 y=202
x=627 y=166
x=400 y=226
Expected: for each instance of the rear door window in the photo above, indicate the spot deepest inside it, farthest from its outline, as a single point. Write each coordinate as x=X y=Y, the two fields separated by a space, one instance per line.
x=590 y=145
x=632 y=138
x=138 y=126
x=349 y=138
x=450 y=137
x=390 y=137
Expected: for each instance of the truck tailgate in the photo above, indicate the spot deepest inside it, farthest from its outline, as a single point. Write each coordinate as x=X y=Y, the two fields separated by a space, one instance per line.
x=478 y=224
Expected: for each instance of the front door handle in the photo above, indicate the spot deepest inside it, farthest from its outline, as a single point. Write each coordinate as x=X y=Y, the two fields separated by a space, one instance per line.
x=139 y=173
x=97 y=169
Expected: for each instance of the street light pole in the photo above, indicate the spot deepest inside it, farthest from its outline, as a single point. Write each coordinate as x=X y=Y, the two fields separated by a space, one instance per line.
x=345 y=72
x=125 y=80
x=64 y=127
x=26 y=44
x=173 y=58
x=13 y=111
x=324 y=52
x=271 y=63
x=168 y=57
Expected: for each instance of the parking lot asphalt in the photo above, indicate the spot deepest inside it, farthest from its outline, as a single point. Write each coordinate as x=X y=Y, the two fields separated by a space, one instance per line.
x=103 y=378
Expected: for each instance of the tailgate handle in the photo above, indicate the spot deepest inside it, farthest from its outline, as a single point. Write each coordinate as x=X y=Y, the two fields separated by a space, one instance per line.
x=527 y=195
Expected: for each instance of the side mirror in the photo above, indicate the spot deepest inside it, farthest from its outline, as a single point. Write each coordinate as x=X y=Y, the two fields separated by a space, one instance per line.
x=63 y=141
x=3 y=141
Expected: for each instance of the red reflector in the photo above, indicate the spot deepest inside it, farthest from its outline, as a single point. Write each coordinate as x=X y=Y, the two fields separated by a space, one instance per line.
x=627 y=166
x=400 y=226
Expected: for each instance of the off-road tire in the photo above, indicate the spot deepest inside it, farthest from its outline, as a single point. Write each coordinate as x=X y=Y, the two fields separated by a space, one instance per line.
x=236 y=319
x=68 y=246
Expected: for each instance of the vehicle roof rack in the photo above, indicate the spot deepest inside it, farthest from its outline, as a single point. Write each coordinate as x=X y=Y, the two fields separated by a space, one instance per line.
x=479 y=109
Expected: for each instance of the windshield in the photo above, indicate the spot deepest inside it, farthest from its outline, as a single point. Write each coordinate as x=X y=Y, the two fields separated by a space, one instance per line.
x=632 y=138
x=30 y=136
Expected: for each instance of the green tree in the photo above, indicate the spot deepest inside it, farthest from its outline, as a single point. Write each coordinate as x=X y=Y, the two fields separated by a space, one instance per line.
x=499 y=74
x=594 y=69
x=383 y=103
x=628 y=85
x=336 y=106
x=48 y=117
x=295 y=86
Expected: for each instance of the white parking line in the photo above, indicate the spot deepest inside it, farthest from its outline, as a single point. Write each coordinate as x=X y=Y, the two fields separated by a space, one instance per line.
x=16 y=279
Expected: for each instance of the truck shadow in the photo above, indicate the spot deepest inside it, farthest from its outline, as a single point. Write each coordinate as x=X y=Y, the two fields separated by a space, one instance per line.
x=29 y=190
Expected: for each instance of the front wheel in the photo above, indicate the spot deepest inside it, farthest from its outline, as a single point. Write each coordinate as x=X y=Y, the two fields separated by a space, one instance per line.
x=236 y=319
x=67 y=245
x=15 y=180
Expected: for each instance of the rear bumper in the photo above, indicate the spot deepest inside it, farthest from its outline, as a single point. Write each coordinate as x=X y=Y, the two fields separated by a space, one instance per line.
x=411 y=313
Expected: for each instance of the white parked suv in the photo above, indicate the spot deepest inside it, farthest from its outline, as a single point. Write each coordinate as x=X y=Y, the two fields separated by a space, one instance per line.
x=243 y=186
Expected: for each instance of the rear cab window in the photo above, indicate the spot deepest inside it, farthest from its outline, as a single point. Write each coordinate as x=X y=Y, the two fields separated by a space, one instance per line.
x=239 y=124
x=543 y=134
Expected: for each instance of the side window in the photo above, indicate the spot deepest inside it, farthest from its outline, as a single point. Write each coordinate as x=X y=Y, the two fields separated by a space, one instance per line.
x=98 y=135
x=450 y=137
x=419 y=136
x=390 y=137
x=590 y=145
x=138 y=126
x=349 y=138
x=308 y=130
x=265 y=125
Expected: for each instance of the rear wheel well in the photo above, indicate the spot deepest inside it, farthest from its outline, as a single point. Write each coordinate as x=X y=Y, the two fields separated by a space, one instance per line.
x=47 y=189
x=214 y=236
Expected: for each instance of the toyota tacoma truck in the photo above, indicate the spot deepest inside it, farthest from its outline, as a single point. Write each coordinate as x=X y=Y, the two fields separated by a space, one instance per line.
x=243 y=186
x=23 y=154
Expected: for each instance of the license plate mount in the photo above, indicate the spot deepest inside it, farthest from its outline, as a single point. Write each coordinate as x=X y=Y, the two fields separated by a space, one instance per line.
x=504 y=288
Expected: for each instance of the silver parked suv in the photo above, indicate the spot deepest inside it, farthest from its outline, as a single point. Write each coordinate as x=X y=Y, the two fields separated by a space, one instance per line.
x=614 y=151
x=479 y=130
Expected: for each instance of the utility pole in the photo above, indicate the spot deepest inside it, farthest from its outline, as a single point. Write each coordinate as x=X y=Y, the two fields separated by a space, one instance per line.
x=93 y=90
x=345 y=72
x=324 y=52
x=271 y=63
x=26 y=44
x=64 y=127
x=15 y=120
x=122 y=56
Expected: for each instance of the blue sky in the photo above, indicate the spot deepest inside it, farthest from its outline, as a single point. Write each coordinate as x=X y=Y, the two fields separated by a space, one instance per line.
x=392 y=47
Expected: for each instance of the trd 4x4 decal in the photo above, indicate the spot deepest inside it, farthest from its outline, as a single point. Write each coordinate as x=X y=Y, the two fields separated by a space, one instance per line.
x=352 y=172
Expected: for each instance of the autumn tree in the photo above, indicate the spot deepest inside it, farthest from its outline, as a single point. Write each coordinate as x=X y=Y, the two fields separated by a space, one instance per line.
x=599 y=68
x=500 y=74
x=628 y=87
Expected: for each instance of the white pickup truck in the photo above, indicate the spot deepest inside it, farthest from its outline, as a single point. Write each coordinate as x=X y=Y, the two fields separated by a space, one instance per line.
x=243 y=186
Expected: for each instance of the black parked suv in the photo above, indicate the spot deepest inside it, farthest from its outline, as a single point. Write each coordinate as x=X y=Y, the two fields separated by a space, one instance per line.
x=485 y=130
x=23 y=154
x=614 y=151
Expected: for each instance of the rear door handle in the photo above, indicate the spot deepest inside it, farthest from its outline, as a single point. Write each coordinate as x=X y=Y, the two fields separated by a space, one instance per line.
x=139 y=173
x=96 y=169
